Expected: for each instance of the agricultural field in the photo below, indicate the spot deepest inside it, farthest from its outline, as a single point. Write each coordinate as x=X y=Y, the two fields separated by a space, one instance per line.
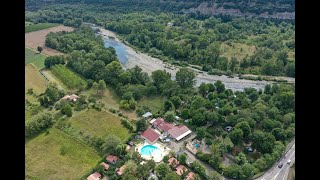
x=69 y=78
x=155 y=103
x=34 y=80
x=30 y=27
x=37 y=38
x=57 y=156
x=237 y=50
x=99 y=123
x=34 y=57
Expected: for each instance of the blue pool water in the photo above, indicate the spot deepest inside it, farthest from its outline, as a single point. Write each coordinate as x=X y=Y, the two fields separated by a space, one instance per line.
x=148 y=150
x=196 y=145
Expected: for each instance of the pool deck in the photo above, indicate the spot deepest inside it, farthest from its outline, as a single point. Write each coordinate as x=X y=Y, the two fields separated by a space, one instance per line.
x=156 y=157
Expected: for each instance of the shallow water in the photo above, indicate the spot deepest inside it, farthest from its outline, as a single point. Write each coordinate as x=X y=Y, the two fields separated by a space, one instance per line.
x=121 y=49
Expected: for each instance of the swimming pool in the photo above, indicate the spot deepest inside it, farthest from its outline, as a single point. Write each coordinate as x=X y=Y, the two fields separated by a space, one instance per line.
x=149 y=150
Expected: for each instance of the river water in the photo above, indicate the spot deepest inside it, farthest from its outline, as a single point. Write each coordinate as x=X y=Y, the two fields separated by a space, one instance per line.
x=129 y=58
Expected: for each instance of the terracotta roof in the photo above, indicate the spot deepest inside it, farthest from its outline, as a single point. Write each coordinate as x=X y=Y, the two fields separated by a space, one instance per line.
x=178 y=132
x=171 y=161
x=150 y=135
x=121 y=169
x=94 y=176
x=164 y=126
x=190 y=176
x=112 y=159
x=105 y=165
x=181 y=169
x=157 y=121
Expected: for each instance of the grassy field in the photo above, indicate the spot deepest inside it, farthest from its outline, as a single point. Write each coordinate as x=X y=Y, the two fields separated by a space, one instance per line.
x=26 y=23
x=235 y=50
x=155 y=103
x=33 y=79
x=111 y=100
x=44 y=161
x=29 y=27
x=69 y=78
x=34 y=57
x=99 y=123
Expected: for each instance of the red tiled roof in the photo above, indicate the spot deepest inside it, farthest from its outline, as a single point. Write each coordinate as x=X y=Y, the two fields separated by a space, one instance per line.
x=121 y=169
x=164 y=126
x=171 y=161
x=112 y=159
x=158 y=121
x=181 y=169
x=150 y=135
x=94 y=176
x=105 y=165
x=177 y=131
x=190 y=176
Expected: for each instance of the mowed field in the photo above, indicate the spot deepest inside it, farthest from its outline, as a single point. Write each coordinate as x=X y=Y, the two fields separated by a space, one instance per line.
x=37 y=38
x=99 y=123
x=34 y=80
x=30 y=27
x=69 y=78
x=34 y=57
x=155 y=103
x=44 y=161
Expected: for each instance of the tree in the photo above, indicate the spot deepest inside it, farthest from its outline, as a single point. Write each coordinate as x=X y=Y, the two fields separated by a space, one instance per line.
x=185 y=78
x=172 y=176
x=159 y=77
x=234 y=63
x=236 y=136
x=162 y=169
x=176 y=101
x=219 y=86
x=267 y=89
x=182 y=158
x=169 y=116
x=211 y=87
x=141 y=124
x=102 y=86
x=215 y=176
x=263 y=142
x=279 y=134
x=39 y=48
x=244 y=126
x=203 y=89
x=241 y=158
x=95 y=86
x=131 y=168
x=120 y=150
x=136 y=157
x=67 y=110
x=291 y=70
x=201 y=132
x=247 y=170
x=110 y=143
x=198 y=168
x=168 y=105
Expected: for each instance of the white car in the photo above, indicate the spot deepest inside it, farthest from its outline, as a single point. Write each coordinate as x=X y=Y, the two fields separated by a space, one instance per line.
x=289 y=162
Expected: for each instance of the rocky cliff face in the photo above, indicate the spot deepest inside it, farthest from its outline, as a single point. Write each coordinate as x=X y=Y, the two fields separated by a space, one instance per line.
x=204 y=8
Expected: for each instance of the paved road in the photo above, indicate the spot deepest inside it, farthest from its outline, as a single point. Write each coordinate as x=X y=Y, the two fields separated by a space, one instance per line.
x=276 y=173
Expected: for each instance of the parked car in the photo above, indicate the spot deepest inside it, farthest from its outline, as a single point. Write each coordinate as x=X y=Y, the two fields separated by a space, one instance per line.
x=289 y=161
x=228 y=128
x=280 y=165
x=249 y=149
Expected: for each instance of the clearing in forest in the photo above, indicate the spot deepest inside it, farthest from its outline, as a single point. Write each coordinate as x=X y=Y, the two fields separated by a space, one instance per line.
x=30 y=27
x=34 y=80
x=34 y=57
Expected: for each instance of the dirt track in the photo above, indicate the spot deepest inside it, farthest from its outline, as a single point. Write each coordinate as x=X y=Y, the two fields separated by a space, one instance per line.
x=37 y=38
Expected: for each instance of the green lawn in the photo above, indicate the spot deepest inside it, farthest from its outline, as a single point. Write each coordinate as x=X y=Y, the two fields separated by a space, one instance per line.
x=99 y=123
x=44 y=161
x=34 y=57
x=34 y=80
x=69 y=78
x=29 y=27
x=155 y=103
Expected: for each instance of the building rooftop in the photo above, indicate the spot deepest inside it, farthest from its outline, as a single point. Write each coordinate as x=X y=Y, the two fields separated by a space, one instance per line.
x=150 y=135
x=179 y=132
x=181 y=169
x=94 y=176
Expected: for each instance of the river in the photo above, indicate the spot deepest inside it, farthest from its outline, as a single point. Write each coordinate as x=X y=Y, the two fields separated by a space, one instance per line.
x=129 y=58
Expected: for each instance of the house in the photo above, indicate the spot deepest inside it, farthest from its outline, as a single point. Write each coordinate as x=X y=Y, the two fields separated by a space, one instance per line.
x=120 y=170
x=150 y=135
x=94 y=176
x=147 y=114
x=190 y=176
x=112 y=159
x=162 y=125
x=71 y=97
x=173 y=162
x=105 y=166
x=181 y=169
x=179 y=132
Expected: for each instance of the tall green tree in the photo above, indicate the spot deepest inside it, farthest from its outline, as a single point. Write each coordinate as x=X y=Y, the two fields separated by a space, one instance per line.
x=185 y=78
x=110 y=144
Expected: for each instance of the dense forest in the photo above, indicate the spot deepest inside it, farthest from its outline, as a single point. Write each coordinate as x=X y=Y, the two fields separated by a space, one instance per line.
x=245 y=6
x=234 y=45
